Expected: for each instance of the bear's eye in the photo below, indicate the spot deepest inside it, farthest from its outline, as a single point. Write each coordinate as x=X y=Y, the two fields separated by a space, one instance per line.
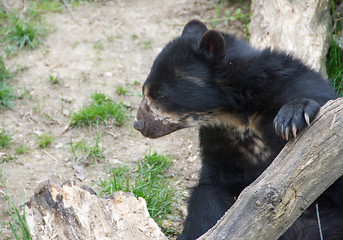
x=158 y=94
x=161 y=97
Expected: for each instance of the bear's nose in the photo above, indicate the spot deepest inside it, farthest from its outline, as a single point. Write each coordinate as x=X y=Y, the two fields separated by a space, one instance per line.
x=138 y=125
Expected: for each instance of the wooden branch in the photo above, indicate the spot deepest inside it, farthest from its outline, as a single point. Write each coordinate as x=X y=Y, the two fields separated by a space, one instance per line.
x=301 y=172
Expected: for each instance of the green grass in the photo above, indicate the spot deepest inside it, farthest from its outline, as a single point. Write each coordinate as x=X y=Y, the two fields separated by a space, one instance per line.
x=334 y=62
x=17 y=224
x=100 y=110
x=6 y=92
x=4 y=73
x=150 y=181
x=6 y=95
x=18 y=32
x=130 y=89
x=40 y=6
x=54 y=79
x=8 y=158
x=134 y=36
x=84 y=153
x=44 y=140
x=22 y=34
x=146 y=44
x=76 y=3
x=99 y=44
x=24 y=29
x=120 y=90
x=334 y=66
x=21 y=149
x=5 y=139
x=242 y=14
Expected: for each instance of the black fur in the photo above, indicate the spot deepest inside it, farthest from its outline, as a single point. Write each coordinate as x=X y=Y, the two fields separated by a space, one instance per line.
x=248 y=103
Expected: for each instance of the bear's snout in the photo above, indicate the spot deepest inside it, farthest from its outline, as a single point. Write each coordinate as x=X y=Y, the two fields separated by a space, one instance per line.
x=138 y=125
x=152 y=125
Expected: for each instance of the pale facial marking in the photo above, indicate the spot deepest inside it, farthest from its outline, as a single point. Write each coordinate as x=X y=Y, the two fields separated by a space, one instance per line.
x=159 y=114
x=195 y=80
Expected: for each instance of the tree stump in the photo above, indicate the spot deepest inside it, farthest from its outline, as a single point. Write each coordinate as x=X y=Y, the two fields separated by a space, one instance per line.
x=68 y=211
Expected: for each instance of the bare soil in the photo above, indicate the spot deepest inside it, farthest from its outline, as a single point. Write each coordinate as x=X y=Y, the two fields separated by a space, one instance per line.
x=92 y=50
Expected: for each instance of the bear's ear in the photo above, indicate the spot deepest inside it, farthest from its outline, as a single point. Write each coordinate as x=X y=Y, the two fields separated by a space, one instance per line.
x=213 y=44
x=194 y=27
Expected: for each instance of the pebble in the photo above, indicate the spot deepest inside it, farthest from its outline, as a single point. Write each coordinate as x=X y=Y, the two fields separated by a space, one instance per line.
x=108 y=74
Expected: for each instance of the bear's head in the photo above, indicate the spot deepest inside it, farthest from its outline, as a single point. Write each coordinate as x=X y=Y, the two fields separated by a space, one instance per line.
x=179 y=91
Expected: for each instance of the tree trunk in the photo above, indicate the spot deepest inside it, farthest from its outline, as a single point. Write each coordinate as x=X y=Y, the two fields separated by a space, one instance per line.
x=295 y=26
x=301 y=172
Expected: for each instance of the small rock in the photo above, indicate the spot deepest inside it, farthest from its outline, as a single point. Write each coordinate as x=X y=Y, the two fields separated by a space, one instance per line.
x=108 y=74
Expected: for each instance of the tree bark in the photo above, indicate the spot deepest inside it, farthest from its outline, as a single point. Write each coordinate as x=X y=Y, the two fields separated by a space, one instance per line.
x=295 y=26
x=301 y=172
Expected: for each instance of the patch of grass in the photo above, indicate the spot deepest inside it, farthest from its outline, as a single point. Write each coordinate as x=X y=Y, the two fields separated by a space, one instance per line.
x=5 y=22
x=4 y=73
x=75 y=44
x=113 y=37
x=100 y=110
x=121 y=181
x=334 y=62
x=120 y=90
x=24 y=93
x=5 y=139
x=18 y=224
x=37 y=7
x=84 y=153
x=146 y=44
x=22 y=34
x=19 y=30
x=44 y=140
x=6 y=92
x=334 y=66
x=20 y=69
x=99 y=44
x=55 y=79
x=21 y=149
x=150 y=181
x=242 y=14
x=8 y=158
x=76 y=3
x=46 y=51
x=134 y=36
x=6 y=95
x=129 y=89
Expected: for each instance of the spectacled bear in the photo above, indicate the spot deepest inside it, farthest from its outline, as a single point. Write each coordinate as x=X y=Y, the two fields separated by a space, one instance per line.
x=248 y=103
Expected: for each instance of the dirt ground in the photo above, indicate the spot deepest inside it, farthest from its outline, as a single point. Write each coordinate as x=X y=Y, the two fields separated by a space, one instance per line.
x=84 y=68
